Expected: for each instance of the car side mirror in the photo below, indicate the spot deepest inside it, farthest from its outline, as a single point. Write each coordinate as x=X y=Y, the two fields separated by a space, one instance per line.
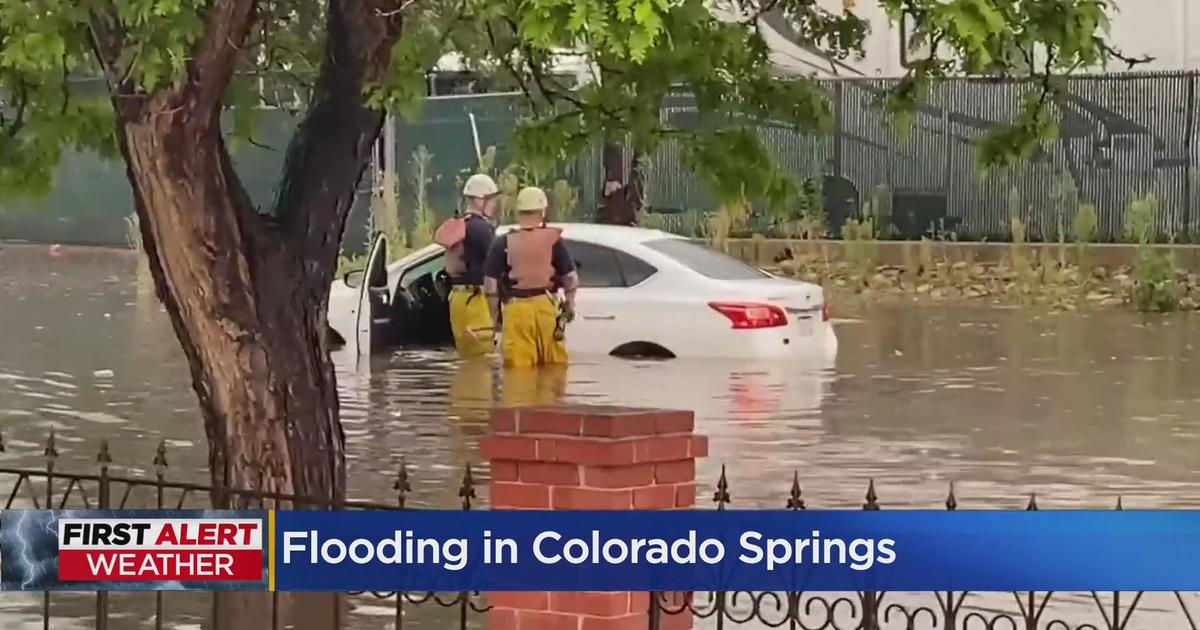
x=354 y=279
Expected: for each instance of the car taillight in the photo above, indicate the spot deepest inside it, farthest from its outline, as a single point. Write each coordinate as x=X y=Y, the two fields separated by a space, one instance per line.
x=746 y=315
x=825 y=312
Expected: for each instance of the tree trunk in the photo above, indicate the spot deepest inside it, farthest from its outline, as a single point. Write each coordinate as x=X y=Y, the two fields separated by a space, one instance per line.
x=247 y=292
x=248 y=308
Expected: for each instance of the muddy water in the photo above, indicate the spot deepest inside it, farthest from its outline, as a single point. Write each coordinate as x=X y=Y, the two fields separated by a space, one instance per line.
x=1080 y=409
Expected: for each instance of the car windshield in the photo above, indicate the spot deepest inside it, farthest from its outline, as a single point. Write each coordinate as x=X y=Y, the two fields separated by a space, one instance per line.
x=705 y=261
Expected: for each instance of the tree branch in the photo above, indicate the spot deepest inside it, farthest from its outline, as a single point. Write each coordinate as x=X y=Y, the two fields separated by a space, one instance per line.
x=1130 y=62
x=333 y=143
x=213 y=60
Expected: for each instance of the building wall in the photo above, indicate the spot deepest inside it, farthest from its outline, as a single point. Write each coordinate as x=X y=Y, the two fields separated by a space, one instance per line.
x=1168 y=30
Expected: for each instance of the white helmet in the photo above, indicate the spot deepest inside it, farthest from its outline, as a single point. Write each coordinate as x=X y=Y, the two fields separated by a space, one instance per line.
x=480 y=185
x=531 y=199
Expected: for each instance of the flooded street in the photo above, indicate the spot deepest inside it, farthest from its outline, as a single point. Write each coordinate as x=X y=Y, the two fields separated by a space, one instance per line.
x=1078 y=408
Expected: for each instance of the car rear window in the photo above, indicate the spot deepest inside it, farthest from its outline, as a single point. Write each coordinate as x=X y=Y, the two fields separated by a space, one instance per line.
x=705 y=261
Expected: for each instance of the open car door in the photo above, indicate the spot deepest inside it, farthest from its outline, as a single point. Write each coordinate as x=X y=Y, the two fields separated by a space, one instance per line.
x=371 y=315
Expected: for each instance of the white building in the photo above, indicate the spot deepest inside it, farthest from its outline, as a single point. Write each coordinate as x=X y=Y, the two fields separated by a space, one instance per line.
x=1168 y=30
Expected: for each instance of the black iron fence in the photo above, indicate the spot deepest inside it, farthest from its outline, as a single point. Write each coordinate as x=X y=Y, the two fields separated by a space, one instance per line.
x=873 y=610
x=50 y=488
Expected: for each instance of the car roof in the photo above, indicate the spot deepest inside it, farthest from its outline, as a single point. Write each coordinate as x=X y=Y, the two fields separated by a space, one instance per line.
x=611 y=235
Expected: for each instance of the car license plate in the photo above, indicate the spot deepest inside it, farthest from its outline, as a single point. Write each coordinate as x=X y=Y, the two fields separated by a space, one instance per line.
x=805 y=326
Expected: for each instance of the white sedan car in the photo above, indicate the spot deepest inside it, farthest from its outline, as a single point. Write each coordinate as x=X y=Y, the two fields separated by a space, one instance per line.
x=642 y=293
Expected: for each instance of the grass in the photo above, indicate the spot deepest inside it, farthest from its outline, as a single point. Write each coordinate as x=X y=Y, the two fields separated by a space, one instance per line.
x=1155 y=284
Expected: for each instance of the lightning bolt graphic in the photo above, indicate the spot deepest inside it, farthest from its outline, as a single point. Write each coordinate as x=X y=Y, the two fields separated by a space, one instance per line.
x=24 y=552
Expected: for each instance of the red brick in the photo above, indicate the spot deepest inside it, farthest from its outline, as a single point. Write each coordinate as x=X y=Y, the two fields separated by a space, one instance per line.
x=549 y=474
x=510 y=447
x=595 y=604
x=675 y=472
x=626 y=622
x=547 y=450
x=663 y=449
x=503 y=420
x=503 y=470
x=568 y=498
x=632 y=476
x=502 y=619
x=639 y=602
x=685 y=495
x=520 y=495
x=536 y=620
x=538 y=600
x=548 y=420
x=594 y=452
x=668 y=422
x=699 y=447
x=654 y=498
x=619 y=425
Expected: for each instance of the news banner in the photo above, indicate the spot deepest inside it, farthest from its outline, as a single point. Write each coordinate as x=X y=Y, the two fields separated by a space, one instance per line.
x=44 y=550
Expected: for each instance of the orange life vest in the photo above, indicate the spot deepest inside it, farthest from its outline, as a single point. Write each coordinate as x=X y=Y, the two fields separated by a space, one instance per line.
x=531 y=258
x=452 y=234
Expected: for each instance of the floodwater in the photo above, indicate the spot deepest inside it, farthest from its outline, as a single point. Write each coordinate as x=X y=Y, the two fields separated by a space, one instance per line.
x=1081 y=409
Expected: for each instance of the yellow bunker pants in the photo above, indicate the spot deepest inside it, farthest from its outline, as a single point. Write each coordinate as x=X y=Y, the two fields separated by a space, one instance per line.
x=528 y=338
x=470 y=321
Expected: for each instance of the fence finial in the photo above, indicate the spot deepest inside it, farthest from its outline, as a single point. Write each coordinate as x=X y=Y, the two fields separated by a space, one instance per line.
x=401 y=485
x=794 y=500
x=1032 y=507
x=103 y=458
x=951 y=500
x=721 y=496
x=467 y=490
x=160 y=457
x=51 y=451
x=872 y=503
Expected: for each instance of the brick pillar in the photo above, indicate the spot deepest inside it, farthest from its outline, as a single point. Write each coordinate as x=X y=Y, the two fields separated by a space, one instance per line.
x=588 y=458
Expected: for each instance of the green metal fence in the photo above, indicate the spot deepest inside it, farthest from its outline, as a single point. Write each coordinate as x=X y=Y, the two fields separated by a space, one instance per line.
x=1122 y=135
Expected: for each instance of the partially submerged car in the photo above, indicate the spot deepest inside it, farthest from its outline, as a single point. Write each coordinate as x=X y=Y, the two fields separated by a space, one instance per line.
x=642 y=293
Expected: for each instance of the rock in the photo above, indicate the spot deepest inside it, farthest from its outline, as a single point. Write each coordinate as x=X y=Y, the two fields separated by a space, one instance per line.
x=1189 y=304
x=1123 y=280
x=1099 y=295
x=959 y=266
x=880 y=280
x=924 y=288
x=1099 y=272
x=978 y=271
x=892 y=272
x=1112 y=302
x=976 y=291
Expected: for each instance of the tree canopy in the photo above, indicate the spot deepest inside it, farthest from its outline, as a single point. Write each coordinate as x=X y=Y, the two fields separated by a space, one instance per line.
x=65 y=65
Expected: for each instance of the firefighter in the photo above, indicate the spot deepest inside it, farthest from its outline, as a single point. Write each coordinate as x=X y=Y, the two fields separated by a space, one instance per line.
x=524 y=270
x=467 y=239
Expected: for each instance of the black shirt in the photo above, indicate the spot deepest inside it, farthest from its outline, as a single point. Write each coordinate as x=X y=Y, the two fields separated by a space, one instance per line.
x=497 y=263
x=476 y=244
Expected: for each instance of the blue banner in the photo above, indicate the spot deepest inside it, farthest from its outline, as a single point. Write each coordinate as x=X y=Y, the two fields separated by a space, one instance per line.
x=737 y=550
